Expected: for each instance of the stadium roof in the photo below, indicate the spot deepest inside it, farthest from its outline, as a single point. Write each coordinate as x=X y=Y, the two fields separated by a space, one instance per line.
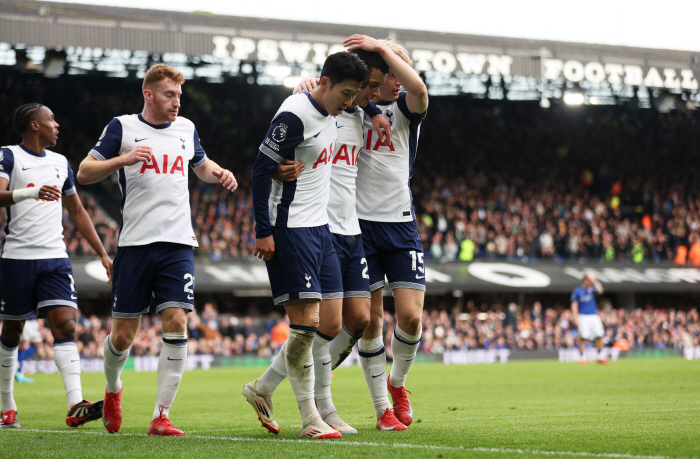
x=451 y=61
x=65 y=24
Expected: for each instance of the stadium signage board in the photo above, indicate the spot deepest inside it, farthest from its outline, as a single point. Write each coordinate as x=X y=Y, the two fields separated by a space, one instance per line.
x=447 y=62
x=249 y=278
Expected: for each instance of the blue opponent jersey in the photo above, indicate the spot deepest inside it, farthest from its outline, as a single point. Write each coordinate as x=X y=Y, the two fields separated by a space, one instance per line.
x=301 y=131
x=586 y=299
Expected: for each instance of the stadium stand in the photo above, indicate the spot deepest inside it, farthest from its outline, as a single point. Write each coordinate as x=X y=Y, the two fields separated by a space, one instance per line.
x=484 y=326
x=493 y=180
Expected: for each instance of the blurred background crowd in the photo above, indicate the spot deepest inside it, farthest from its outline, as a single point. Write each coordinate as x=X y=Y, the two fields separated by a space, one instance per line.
x=492 y=180
x=465 y=326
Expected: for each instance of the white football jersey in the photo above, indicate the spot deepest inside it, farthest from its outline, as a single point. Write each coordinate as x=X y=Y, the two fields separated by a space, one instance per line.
x=301 y=131
x=342 y=214
x=155 y=196
x=383 y=178
x=34 y=228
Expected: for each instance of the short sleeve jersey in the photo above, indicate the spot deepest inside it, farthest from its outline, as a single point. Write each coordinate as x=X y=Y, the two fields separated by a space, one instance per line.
x=155 y=196
x=384 y=172
x=301 y=131
x=34 y=228
x=586 y=300
x=342 y=214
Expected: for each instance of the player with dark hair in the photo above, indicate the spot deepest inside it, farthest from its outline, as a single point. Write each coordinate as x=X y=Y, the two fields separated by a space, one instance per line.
x=154 y=262
x=36 y=277
x=393 y=247
x=293 y=236
x=340 y=330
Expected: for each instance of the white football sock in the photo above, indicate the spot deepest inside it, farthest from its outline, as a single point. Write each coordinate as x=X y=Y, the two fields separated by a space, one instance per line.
x=404 y=348
x=114 y=364
x=341 y=346
x=67 y=359
x=171 y=366
x=300 y=363
x=323 y=374
x=275 y=373
x=373 y=362
x=8 y=366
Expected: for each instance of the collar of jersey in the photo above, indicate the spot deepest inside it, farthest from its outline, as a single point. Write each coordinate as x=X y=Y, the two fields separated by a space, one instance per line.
x=315 y=104
x=155 y=126
x=33 y=153
x=351 y=109
x=388 y=102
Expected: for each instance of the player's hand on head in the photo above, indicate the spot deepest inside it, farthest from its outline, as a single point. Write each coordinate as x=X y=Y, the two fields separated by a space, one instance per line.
x=383 y=127
x=362 y=42
x=265 y=248
x=227 y=179
x=306 y=85
x=287 y=170
x=49 y=193
x=140 y=154
x=109 y=267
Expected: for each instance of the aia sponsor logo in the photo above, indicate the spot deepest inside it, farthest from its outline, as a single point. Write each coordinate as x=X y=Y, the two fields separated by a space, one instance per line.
x=345 y=156
x=374 y=144
x=324 y=157
x=177 y=167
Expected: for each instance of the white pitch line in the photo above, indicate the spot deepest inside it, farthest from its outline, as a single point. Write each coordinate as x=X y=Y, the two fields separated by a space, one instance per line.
x=376 y=444
x=524 y=416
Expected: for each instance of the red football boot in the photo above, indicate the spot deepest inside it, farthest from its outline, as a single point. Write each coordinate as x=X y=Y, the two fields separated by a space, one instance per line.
x=402 y=407
x=112 y=411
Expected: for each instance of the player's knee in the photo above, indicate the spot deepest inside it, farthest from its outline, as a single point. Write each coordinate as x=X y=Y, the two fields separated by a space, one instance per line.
x=11 y=332
x=65 y=329
x=410 y=324
x=121 y=339
x=178 y=323
x=358 y=322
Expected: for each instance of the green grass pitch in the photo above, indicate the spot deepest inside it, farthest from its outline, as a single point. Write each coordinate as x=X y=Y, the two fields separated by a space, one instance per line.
x=629 y=409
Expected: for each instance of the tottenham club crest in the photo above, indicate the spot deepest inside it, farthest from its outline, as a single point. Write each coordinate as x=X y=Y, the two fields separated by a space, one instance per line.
x=388 y=115
x=279 y=133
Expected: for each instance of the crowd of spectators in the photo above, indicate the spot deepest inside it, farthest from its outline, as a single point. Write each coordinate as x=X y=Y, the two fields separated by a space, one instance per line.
x=492 y=180
x=465 y=327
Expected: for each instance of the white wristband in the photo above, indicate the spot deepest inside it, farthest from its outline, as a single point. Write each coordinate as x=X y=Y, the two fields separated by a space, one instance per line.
x=25 y=193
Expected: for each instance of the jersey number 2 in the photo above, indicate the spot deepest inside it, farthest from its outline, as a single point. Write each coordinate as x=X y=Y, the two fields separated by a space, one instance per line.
x=189 y=285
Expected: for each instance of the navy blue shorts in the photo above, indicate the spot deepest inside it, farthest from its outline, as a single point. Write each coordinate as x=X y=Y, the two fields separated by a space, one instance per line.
x=29 y=287
x=393 y=250
x=353 y=265
x=305 y=265
x=159 y=274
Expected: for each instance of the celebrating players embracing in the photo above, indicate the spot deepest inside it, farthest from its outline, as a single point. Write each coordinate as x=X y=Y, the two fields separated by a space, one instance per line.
x=154 y=262
x=35 y=274
x=293 y=235
x=389 y=231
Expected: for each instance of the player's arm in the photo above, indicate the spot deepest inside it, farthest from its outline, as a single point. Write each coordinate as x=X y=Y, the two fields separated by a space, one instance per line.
x=208 y=170
x=211 y=172
x=380 y=124
x=92 y=170
x=275 y=148
x=260 y=185
x=104 y=158
x=8 y=198
x=417 y=92
x=574 y=311
x=82 y=222
x=596 y=283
